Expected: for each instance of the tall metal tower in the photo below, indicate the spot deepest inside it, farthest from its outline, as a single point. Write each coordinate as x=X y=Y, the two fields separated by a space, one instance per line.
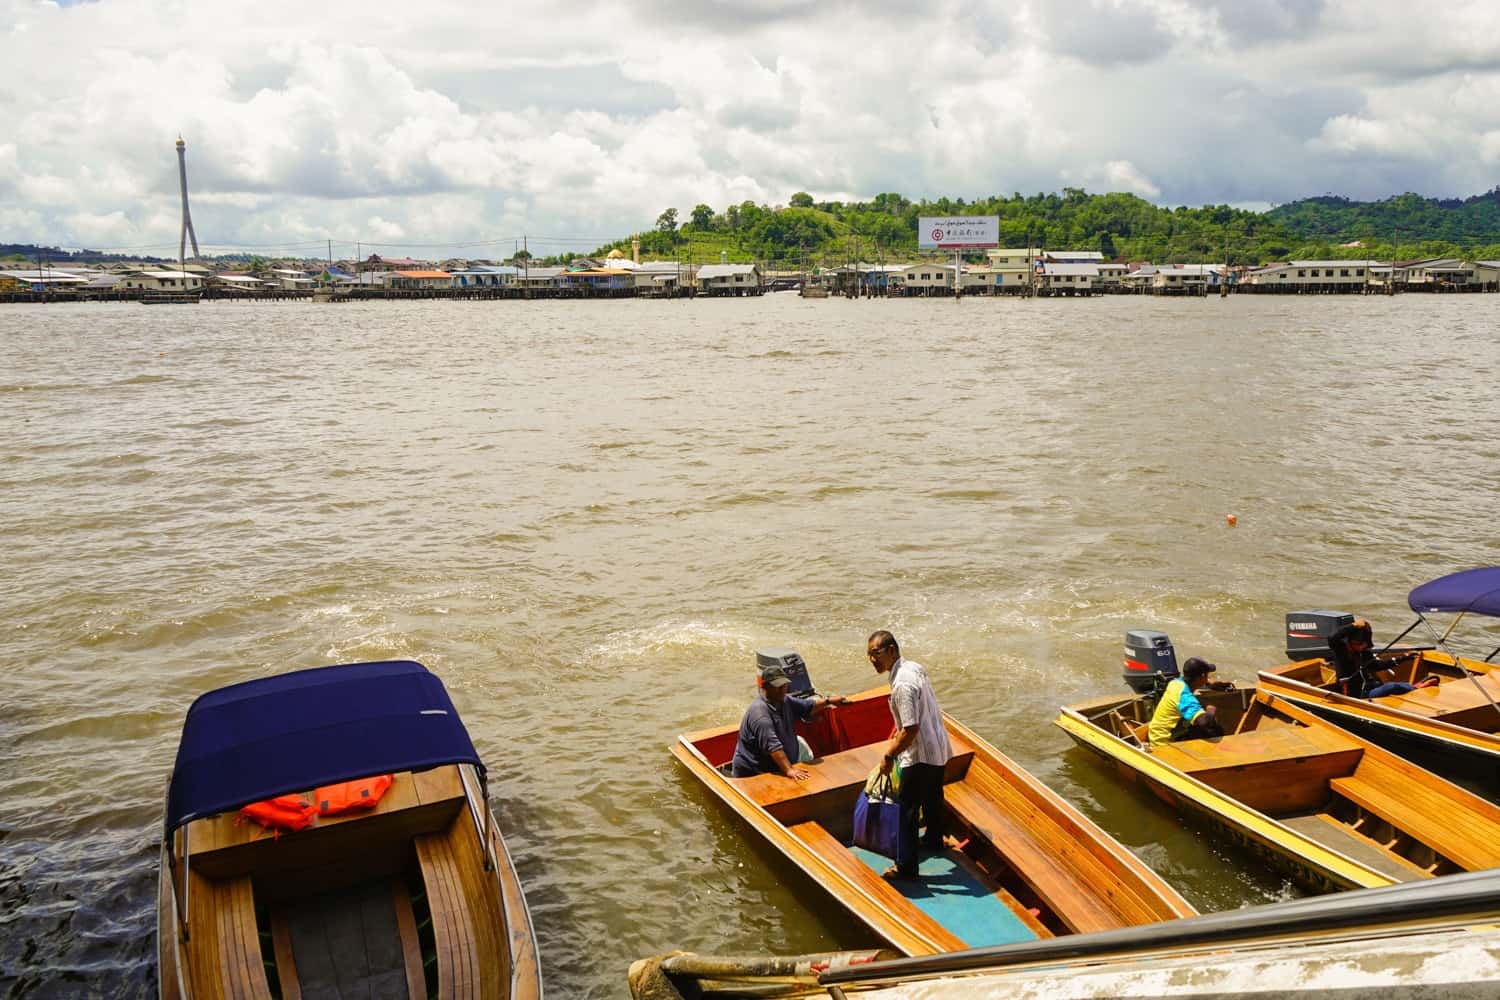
x=187 y=219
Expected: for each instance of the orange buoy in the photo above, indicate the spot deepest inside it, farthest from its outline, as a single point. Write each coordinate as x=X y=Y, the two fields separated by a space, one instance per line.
x=1231 y=520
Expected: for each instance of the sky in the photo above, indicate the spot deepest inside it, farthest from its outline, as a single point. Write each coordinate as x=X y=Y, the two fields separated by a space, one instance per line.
x=453 y=129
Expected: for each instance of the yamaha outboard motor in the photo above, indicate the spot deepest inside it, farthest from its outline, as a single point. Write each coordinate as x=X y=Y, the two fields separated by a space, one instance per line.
x=790 y=661
x=1307 y=633
x=1150 y=661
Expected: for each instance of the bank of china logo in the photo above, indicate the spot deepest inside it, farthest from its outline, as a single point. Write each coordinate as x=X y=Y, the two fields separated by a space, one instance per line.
x=937 y=235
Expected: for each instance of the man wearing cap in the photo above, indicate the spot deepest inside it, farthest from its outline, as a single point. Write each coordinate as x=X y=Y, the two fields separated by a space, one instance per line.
x=1180 y=715
x=768 y=732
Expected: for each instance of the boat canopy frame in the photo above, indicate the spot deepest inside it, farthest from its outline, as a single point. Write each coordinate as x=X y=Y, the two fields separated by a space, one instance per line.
x=1469 y=590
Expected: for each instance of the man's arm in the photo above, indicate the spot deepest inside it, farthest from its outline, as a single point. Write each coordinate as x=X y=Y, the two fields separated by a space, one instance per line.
x=785 y=766
x=821 y=703
x=899 y=742
x=766 y=735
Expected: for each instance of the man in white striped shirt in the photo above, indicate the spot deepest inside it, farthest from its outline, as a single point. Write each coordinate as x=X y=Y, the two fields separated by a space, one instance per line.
x=919 y=741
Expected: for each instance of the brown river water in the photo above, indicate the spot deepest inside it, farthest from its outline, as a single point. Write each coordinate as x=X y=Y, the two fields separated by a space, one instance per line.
x=586 y=517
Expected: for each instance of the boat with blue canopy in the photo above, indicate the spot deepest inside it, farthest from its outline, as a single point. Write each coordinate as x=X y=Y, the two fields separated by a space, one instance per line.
x=327 y=832
x=1450 y=724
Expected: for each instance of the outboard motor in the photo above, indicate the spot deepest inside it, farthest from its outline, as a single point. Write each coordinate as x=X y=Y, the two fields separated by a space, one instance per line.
x=790 y=661
x=1150 y=661
x=1307 y=633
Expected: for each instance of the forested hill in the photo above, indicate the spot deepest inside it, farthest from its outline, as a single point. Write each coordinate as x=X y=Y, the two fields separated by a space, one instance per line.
x=1403 y=218
x=1117 y=225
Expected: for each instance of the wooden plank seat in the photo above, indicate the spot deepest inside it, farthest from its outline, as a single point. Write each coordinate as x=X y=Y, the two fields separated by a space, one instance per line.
x=1065 y=877
x=1278 y=770
x=1428 y=817
x=829 y=779
x=309 y=860
x=1456 y=701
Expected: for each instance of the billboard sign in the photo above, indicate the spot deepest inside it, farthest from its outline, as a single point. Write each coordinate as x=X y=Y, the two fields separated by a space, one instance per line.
x=951 y=232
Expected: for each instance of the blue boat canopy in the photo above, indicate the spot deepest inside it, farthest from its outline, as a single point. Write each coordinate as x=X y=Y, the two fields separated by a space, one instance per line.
x=1476 y=590
x=297 y=731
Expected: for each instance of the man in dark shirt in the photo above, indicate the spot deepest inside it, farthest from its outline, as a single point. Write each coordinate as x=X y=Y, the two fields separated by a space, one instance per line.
x=768 y=732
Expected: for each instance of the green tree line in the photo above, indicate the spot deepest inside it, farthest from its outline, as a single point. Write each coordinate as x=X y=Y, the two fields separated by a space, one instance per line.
x=1120 y=226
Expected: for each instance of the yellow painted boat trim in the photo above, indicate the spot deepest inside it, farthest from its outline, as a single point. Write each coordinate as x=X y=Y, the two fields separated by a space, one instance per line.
x=1258 y=824
x=1392 y=718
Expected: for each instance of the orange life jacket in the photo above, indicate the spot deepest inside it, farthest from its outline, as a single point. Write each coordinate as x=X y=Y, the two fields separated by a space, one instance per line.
x=353 y=795
x=285 y=812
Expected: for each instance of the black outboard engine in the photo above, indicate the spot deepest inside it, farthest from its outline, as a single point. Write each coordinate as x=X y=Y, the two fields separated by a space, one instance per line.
x=790 y=661
x=1307 y=633
x=1150 y=661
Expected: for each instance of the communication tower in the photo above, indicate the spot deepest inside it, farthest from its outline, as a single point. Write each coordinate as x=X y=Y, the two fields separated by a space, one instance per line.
x=187 y=219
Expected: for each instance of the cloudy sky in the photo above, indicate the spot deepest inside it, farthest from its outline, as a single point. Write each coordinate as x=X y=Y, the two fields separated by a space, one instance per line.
x=410 y=125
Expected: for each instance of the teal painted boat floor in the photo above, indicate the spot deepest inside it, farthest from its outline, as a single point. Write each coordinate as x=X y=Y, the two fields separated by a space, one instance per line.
x=950 y=894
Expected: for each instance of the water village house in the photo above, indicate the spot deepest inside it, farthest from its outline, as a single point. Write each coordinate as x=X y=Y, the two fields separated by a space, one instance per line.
x=290 y=278
x=927 y=278
x=1171 y=279
x=485 y=276
x=45 y=279
x=729 y=279
x=1066 y=278
x=1012 y=268
x=161 y=281
x=416 y=280
x=1313 y=274
x=238 y=282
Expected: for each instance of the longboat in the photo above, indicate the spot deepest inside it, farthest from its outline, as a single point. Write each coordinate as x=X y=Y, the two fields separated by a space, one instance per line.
x=1330 y=809
x=1021 y=864
x=1451 y=727
x=413 y=897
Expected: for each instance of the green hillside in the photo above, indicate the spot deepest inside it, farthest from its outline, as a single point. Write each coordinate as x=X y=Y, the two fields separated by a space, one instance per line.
x=1117 y=225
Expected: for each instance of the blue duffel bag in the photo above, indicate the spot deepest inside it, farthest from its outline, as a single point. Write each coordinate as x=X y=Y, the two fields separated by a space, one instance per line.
x=877 y=819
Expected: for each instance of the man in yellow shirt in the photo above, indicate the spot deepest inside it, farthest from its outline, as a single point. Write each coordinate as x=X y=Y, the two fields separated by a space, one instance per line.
x=1179 y=715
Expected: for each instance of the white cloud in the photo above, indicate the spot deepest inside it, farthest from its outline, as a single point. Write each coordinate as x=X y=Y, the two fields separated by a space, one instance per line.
x=459 y=126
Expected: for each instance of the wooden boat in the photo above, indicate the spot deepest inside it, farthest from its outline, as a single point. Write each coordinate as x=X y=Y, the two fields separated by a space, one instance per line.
x=1452 y=727
x=416 y=896
x=1021 y=863
x=1331 y=809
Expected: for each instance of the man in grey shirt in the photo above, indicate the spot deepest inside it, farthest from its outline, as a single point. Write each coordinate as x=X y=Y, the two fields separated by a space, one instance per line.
x=919 y=742
x=768 y=731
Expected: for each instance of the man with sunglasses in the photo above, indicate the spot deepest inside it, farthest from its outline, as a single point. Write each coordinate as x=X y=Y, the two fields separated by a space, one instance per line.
x=919 y=743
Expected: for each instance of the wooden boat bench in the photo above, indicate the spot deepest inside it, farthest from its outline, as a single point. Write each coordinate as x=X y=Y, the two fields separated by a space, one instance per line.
x=1406 y=805
x=1457 y=702
x=306 y=861
x=1277 y=770
x=829 y=780
x=1044 y=854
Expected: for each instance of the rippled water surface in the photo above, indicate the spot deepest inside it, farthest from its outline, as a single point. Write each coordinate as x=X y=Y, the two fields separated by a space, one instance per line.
x=586 y=516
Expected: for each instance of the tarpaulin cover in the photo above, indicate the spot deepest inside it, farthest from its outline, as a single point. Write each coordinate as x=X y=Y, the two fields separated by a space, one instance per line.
x=1476 y=590
x=296 y=731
